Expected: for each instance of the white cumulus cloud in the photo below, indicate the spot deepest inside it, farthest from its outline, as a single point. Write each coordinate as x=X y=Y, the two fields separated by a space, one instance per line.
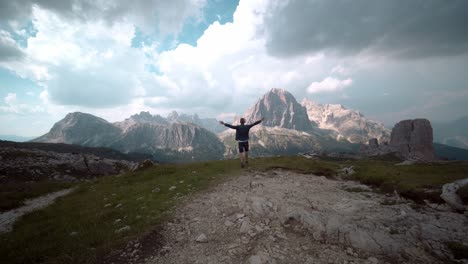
x=329 y=84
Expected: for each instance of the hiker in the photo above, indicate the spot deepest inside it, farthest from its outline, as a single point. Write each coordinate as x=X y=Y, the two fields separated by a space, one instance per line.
x=242 y=137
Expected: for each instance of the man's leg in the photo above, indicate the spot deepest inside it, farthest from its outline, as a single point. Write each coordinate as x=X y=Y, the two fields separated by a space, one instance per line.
x=246 y=157
x=241 y=157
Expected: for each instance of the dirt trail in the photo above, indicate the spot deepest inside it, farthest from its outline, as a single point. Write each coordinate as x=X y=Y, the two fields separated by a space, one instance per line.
x=285 y=217
x=7 y=219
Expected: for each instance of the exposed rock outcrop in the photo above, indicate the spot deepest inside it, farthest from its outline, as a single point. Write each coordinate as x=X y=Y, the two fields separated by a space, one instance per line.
x=413 y=139
x=19 y=165
x=285 y=217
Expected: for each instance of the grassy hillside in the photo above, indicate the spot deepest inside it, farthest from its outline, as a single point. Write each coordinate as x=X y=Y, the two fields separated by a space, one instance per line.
x=81 y=227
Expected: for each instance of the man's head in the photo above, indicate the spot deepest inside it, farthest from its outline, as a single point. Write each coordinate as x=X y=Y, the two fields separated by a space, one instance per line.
x=242 y=120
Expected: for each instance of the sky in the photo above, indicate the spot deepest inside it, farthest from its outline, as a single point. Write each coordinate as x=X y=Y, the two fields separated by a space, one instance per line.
x=389 y=59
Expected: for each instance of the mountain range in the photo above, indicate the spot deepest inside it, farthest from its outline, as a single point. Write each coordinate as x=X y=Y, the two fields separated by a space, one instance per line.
x=288 y=128
x=144 y=133
x=453 y=133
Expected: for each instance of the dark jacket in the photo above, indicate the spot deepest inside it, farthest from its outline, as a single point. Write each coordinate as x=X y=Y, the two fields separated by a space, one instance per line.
x=242 y=131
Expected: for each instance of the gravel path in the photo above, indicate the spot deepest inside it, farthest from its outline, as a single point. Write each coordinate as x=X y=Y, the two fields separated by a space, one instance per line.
x=285 y=217
x=7 y=219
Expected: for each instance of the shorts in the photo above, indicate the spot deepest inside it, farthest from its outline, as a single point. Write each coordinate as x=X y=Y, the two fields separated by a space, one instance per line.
x=243 y=146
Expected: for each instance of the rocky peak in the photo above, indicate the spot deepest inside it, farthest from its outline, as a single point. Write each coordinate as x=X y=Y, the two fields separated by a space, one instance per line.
x=146 y=117
x=173 y=116
x=82 y=128
x=413 y=139
x=280 y=109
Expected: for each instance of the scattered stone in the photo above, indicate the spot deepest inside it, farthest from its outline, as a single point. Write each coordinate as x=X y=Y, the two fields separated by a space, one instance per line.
x=118 y=205
x=172 y=188
x=240 y=216
x=201 y=238
x=143 y=165
x=73 y=233
x=228 y=223
x=117 y=221
x=156 y=190
x=245 y=227
x=406 y=163
x=107 y=205
x=123 y=229
x=373 y=260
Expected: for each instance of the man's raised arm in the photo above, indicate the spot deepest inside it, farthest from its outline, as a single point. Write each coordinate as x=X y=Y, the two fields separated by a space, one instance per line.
x=257 y=122
x=228 y=125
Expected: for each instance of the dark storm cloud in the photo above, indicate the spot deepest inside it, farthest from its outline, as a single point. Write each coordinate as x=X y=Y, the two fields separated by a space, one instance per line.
x=8 y=48
x=400 y=28
x=168 y=15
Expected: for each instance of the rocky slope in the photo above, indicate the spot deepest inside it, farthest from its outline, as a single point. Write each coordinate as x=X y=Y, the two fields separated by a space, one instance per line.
x=285 y=217
x=26 y=165
x=145 y=133
x=345 y=123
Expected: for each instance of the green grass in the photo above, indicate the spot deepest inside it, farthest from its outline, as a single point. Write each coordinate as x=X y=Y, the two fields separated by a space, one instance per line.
x=412 y=181
x=12 y=195
x=44 y=236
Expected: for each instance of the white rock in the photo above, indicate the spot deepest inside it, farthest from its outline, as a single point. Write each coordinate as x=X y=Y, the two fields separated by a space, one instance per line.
x=201 y=238
x=123 y=229
x=450 y=196
x=172 y=188
x=245 y=227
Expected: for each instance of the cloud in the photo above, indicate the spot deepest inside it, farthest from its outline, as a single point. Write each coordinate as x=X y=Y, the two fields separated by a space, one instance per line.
x=9 y=50
x=90 y=64
x=13 y=106
x=329 y=84
x=166 y=15
x=403 y=29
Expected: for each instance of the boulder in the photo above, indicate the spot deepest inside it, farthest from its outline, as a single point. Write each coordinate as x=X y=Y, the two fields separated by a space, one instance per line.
x=98 y=166
x=413 y=139
x=450 y=196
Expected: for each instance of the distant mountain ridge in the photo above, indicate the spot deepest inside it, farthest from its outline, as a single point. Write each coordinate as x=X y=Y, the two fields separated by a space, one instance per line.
x=453 y=133
x=288 y=128
x=144 y=133
x=345 y=123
